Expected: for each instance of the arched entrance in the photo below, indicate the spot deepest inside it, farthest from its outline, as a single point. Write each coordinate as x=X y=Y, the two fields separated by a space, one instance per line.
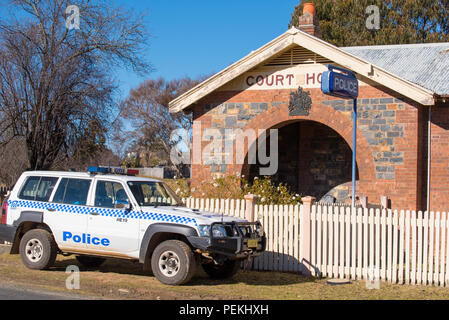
x=321 y=143
x=313 y=160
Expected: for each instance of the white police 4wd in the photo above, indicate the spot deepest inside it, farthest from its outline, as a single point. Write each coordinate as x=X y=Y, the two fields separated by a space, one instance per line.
x=98 y=215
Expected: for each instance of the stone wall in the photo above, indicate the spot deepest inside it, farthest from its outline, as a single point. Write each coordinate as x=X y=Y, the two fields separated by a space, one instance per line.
x=377 y=121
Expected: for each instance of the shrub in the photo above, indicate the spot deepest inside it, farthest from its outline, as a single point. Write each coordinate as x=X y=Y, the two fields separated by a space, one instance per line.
x=270 y=193
x=236 y=187
x=131 y=162
x=225 y=187
x=180 y=186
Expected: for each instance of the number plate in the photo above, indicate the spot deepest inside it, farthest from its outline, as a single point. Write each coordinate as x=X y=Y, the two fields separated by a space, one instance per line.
x=252 y=243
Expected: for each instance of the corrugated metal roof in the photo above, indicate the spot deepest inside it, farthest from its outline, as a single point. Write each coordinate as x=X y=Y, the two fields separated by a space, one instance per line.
x=426 y=65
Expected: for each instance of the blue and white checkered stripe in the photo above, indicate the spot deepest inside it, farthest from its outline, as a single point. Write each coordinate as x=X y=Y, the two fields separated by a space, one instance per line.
x=106 y=212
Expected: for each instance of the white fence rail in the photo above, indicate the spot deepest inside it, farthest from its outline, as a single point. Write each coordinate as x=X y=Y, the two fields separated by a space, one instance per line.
x=406 y=247
x=231 y=207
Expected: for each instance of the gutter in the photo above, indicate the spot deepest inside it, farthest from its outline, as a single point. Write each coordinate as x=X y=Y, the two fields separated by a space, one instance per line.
x=443 y=99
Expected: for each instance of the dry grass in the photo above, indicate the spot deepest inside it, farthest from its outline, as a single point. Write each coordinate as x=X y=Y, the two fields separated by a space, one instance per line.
x=125 y=280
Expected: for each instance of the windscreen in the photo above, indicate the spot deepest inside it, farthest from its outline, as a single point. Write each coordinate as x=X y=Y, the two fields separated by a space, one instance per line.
x=152 y=193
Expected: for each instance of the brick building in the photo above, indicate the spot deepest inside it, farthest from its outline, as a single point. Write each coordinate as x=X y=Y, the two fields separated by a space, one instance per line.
x=401 y=88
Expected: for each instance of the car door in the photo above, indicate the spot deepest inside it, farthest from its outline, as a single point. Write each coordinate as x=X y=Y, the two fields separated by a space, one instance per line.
x=120 y=227
x=67 y=213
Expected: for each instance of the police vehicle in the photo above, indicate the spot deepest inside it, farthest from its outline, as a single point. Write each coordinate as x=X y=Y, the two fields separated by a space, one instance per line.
x=112 y=213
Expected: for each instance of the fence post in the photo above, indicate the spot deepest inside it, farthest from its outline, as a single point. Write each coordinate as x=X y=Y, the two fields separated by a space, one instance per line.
x=250 y=207
x=304 y=233
x=385 y=202
x=364 y=201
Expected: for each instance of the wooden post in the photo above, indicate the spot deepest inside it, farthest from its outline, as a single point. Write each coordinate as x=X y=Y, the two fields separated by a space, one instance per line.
x=304 y=233
x=364 y=201
x=385 y=203
x=251 y=201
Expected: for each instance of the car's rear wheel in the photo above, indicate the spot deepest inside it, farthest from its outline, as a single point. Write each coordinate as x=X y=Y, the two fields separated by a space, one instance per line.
x=222 y=271
x=90 y=262
x=38 y=249
x=173 y=262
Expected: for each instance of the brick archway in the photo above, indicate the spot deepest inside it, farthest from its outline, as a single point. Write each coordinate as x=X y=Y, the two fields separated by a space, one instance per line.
x=277 y=117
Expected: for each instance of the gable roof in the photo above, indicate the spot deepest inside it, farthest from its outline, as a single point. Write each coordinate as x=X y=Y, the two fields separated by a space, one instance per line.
x=295 y=37
x=424 y=64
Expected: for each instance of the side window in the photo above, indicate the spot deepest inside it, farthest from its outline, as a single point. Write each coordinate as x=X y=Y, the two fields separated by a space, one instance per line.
x=28 y=191
x=108 y=194
x=38 y=188
x=72 y=191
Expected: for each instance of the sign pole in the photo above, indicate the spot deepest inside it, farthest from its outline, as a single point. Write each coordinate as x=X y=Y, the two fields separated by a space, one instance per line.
x=354 y=152
x=343 y=83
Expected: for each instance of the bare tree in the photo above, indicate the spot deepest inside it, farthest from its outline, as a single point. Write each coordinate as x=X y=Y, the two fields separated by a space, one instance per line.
x=90 y=149
x=152 y=124
x=55 y=82
x=13 y=161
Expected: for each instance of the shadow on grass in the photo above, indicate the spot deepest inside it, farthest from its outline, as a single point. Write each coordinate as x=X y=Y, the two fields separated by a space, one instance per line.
x=254 y=278
x=110 y=265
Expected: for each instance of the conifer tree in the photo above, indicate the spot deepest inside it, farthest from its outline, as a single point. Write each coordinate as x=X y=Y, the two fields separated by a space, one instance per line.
x=344 y=22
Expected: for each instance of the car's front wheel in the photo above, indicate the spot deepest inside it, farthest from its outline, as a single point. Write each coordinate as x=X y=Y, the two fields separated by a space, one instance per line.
x=38 y=249
x=173 y=262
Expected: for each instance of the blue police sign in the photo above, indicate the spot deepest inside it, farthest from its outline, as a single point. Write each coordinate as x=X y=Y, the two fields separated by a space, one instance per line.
x=342 y=84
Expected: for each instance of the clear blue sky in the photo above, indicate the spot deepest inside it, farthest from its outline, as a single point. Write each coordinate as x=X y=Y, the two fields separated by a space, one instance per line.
x=193 y=38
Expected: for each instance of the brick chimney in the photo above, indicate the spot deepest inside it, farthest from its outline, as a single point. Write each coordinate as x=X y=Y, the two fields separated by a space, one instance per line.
x=308 y=22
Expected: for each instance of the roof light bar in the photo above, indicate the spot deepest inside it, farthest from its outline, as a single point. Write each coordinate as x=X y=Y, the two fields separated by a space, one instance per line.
x=97 y=170
x=113 y=170
x=132 y=172
x=118 y=170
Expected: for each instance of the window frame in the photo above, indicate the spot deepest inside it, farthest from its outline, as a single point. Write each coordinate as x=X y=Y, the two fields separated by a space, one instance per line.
x=89 y=191
x=20 y=196
x=124 y=186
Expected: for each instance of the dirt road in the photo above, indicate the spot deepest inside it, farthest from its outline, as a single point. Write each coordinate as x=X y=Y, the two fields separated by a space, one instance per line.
x=9 y=291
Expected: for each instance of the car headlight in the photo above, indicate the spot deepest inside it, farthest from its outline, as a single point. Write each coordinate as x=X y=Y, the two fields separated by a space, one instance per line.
x=218 y=231
x=204 y=230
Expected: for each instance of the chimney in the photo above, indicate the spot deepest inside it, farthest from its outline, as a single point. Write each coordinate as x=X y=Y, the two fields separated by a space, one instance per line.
x=308 y=22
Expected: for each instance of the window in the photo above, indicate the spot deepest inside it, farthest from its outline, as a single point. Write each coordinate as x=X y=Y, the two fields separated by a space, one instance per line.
x=38 y=188
x=72 y=191
x=150 y=193
x=108 y=194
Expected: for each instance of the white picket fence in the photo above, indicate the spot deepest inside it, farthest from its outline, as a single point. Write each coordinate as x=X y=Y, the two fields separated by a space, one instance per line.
x=231 y=207
x=405 y=247
x=395 y=246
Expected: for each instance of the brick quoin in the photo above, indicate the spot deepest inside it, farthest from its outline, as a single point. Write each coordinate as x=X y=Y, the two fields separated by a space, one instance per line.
x=439 y=187
x=390 y=141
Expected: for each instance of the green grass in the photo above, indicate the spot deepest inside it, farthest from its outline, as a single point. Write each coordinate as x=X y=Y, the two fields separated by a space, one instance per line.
x=133 y=283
